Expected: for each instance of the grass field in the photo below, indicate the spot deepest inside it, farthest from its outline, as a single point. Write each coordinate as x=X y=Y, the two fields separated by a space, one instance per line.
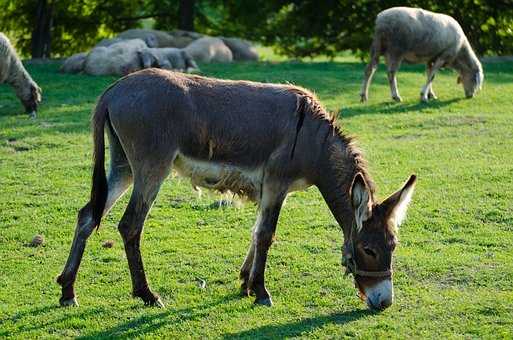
x=454 y=264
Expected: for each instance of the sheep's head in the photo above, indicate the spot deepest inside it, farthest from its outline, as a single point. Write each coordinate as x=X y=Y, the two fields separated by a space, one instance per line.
x=472 y=82
x=31 y=99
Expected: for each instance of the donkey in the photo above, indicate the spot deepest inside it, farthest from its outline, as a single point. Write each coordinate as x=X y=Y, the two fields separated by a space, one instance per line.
x=419 y=36
x=258 y=140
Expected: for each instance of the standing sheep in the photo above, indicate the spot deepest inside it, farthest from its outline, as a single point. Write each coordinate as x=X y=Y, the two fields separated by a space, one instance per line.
x=419 y=36
x=13 y=73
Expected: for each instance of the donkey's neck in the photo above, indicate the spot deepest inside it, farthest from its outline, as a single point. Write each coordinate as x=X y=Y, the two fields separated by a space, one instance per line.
x=340 y=162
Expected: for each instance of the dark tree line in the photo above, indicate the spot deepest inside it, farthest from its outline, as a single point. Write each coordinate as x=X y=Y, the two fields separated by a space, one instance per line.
x=300 y=28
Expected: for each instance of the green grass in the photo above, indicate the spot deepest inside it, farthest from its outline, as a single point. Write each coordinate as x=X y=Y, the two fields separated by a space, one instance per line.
x=454 y=264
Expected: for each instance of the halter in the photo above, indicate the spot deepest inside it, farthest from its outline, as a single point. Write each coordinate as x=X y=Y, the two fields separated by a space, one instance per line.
x=350 y=261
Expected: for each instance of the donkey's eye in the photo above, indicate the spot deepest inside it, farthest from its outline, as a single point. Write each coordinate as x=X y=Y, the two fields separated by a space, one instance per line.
x=369 y=251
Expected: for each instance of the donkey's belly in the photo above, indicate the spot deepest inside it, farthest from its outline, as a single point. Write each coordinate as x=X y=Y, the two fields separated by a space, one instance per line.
x=221 y=176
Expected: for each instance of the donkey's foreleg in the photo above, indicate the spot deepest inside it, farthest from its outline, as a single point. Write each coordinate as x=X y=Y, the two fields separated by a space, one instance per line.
x=131 y=227
x=119 y=180
x=263 y=234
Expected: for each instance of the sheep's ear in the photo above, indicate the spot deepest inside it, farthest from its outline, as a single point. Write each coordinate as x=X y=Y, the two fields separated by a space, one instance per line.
x=458 y=81
x=397 y=204
x=360 y=200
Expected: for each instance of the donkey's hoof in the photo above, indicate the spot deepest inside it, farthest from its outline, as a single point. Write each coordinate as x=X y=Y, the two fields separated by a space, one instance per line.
x=397 y=99
x=69 y=302
x=155 y=301
x=264 y=301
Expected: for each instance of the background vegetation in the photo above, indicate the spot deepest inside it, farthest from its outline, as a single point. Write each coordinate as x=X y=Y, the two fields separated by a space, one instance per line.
x=454 y=264
x=44 y=28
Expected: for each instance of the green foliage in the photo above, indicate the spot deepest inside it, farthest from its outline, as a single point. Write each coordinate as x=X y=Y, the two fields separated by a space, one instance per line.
x=453 y=266
x=77 y=25
x=311 y=27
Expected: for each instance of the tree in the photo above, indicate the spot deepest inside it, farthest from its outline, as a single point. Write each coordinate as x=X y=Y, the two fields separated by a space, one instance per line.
x=186 y=15
x=47 y=28
x=304 y=28
x=41 y=34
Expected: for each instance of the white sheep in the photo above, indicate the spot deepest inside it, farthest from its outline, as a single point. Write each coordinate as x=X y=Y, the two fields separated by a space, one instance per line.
x=419 y=36
x=169 y=58
x=120 y=58
x=153 y=38
x=209 y=50
x=13 y=73
x=74 y=64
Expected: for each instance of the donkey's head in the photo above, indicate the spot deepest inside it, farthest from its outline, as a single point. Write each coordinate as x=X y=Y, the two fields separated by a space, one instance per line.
x=372 y=240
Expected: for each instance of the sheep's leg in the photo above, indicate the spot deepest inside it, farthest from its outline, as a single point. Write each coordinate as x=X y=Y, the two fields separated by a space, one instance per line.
x=393 y=64
x=427 y=90
x=263 y=233
x=369 y=73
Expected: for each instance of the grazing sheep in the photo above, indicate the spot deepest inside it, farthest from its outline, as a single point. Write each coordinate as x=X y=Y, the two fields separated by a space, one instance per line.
x=419 y=36
x=168 y=58
x=74 y=64
x=241 y=49
x=209 y=50
x=120 y=58
x=13 y=73
x=153 y=38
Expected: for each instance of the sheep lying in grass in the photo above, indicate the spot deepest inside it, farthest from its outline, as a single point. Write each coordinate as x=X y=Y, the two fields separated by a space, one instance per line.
x=120 y=58
x=209 y=50
x=419 y=36
x=168 y=58
x=13 y=73
x=153 y=38
x=74 y=64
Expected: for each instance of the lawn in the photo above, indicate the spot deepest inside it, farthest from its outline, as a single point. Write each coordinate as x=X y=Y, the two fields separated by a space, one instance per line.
x=454 y=263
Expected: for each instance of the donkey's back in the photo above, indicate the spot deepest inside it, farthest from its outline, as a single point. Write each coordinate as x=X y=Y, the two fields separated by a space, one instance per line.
x=203 y=118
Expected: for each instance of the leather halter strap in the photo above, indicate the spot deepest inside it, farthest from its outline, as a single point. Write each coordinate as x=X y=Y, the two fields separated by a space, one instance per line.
x=350 y=262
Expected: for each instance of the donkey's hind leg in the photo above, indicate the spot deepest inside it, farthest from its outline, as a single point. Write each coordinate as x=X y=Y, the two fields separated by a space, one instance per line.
x=245 y=270
x=146 y=187
x=119 y=179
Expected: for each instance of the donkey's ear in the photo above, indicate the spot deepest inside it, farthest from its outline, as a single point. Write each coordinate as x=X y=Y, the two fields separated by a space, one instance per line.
x=361 y=200
x=397 y=204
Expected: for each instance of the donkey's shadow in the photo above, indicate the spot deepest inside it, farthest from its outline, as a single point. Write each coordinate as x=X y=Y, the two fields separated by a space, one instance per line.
x=295 y=329
x=146 y=325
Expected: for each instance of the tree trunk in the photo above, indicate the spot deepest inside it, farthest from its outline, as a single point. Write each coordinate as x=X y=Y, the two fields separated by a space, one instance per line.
x=186 y=15
x=41 y=33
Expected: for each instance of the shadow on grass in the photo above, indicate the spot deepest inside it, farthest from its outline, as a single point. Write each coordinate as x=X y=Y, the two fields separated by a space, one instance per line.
x=298 y=328
x=392 y=107
x=148 y=324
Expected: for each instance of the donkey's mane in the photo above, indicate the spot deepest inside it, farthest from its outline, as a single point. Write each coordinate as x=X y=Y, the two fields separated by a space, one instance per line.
x=308 y=104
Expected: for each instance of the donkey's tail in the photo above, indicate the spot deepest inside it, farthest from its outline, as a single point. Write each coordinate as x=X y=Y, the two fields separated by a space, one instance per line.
x=99 y=189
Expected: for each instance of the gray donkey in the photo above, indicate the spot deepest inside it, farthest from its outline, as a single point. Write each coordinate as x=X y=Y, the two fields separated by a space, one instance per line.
x=258 y=140
x=419 y=36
